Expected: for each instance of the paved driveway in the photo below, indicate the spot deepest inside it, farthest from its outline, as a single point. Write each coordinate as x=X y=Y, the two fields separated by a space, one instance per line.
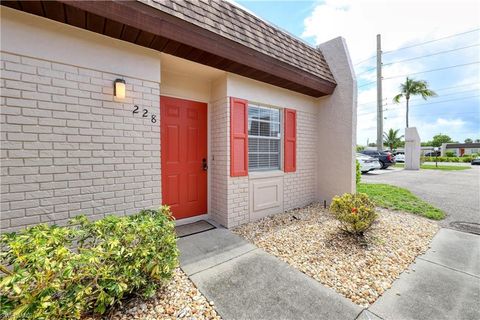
x=456 y=192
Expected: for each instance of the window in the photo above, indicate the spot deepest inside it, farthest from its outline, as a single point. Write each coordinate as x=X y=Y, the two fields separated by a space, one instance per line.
x=263 y=138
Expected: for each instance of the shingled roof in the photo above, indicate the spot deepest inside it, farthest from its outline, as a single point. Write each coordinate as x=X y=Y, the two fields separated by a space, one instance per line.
x=215 y=33
x=234 y=23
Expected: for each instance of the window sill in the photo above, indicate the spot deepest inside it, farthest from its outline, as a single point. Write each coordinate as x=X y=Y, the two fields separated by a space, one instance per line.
x=265 y=174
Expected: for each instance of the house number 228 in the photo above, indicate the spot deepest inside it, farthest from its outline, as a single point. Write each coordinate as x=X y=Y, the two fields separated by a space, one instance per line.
x=153 y=117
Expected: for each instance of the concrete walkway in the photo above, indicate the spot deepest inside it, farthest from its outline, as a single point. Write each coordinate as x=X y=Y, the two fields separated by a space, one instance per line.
x=444 y=283
x=247 y=283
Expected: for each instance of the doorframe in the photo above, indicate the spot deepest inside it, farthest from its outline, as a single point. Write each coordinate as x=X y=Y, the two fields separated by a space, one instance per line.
x=207 y=215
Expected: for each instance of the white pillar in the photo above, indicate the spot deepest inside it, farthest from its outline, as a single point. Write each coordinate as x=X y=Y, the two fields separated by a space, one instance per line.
x=412 y=149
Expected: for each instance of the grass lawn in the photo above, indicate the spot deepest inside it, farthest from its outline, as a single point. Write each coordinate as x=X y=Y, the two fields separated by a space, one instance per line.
x=396 y=198
x=440 y=167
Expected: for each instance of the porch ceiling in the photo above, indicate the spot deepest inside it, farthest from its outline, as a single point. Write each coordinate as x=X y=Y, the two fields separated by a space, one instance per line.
x=146 y=26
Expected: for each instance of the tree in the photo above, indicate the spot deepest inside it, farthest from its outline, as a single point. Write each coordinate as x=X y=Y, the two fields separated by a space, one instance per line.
x=413 y=88
x=468 y=140
x=477 y=140
x=439 y=139
x=391 y=139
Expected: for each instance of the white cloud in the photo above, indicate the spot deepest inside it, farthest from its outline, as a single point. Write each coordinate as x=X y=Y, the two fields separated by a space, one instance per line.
x=402 y=23
x=399 y=22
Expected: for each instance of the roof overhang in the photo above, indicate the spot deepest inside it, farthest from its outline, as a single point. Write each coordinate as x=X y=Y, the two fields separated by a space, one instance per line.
x=149 y=27
x=462 y=145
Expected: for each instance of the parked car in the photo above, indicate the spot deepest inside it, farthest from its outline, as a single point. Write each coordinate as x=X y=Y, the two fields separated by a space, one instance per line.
x=476 y=161
x=432 y=154
x=385 y=158
x=400 y=157
x=367 y=163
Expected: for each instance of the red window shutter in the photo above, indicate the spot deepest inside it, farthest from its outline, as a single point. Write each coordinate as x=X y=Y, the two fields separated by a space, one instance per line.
x=238 y=137
x=290 y=140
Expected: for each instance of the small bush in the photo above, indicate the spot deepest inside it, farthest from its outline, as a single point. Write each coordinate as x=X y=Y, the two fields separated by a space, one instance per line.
x=467 y=158
x=64 y=272
x=450 y=154
x=358 y=173
x=356 y=212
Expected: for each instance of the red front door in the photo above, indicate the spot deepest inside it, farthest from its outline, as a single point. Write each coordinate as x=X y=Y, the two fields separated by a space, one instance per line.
x=184 y=156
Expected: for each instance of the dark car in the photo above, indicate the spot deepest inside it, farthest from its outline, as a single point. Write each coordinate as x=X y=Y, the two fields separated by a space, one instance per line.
x=432 y=154
x=476 y=161
x=386 y=159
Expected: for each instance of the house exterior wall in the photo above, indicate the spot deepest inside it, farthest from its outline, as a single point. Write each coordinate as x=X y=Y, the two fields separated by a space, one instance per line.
x=337 y=126
x=297 y=188
x=68 y=147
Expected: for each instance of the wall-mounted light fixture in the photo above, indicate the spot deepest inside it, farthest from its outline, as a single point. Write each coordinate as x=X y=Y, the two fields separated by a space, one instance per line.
x=119 y=88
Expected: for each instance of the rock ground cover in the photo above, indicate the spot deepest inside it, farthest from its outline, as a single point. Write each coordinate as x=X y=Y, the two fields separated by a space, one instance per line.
x=360 y=269
x=179 y=299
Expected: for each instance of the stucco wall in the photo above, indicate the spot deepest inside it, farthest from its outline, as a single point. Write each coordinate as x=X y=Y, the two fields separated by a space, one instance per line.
x=31 y=35
x=68 y=147
x=337 y=126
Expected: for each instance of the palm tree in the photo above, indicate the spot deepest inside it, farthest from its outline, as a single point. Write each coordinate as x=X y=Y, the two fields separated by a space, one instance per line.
x=413 y=88
x=391 y=139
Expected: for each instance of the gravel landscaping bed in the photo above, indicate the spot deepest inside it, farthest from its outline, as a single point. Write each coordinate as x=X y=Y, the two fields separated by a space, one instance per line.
x=180 y=299
x=359 y=269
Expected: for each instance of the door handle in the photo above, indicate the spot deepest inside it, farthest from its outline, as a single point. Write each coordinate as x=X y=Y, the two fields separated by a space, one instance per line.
x=204 y=164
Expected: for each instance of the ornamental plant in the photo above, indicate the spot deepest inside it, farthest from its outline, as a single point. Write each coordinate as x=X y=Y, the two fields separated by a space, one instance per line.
x=358 y=173
x=52 y=272
x=355 y=212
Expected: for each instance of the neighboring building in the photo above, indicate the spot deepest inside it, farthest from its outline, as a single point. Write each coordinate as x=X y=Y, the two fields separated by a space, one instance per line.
x=224 y=116
x=460 y=149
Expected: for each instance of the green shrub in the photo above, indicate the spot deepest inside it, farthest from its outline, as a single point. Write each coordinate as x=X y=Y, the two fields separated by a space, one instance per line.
x=467 y=158
x=64 y=272
x=358 y=173
x=356 y=212
x=450 y=154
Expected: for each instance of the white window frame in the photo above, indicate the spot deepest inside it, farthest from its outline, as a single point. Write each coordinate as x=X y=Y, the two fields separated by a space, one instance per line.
x=279 y=138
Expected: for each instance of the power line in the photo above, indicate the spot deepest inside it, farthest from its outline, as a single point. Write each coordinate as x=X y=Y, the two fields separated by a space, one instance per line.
x=367 y=84
x=430 y=41
x=459 y=86
x=364 y=103
x=421 y=115
x=368 y=70
x=432 y=70
x=422 y=104
x=463 y=98
x=444 y=95
x=436 y=90
x=427 y=55
x=360 y=62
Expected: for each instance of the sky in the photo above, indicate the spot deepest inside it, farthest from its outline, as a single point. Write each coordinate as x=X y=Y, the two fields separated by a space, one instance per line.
x=405 y=26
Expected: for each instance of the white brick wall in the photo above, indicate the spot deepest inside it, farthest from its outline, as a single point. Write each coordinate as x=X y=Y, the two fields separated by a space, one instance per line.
x=68 y=148
x=229 y=199
x=238 y=201
x=300 y=186
x=220 y=164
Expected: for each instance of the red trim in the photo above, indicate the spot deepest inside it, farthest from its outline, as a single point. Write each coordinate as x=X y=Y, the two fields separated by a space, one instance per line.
x=238 y=137
x=290 y=141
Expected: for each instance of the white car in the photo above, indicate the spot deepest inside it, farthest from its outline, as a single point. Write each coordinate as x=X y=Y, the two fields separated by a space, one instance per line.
x=368 y=163
x=400 y=157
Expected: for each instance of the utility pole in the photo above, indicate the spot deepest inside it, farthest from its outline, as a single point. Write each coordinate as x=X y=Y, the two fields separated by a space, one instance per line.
x=379 y=95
